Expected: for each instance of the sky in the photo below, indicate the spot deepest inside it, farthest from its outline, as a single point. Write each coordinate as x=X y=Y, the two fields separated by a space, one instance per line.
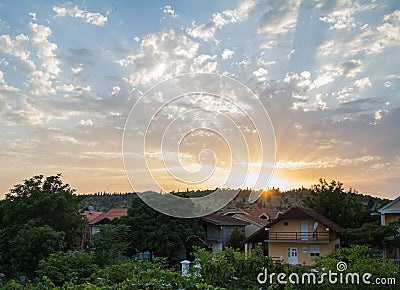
x=327 y=73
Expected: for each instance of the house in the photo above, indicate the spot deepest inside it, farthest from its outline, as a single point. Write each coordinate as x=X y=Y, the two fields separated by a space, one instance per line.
x=256 y=218
x=105 y=218
x=89 y=215
x=391 y=213
x=297 y=237
x=219 y=228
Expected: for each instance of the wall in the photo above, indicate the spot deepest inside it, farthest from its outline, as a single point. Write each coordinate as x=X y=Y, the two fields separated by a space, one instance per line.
x=391 y=217
x=227 y=232
x=213 y=232
x=277 y=249
x=294 y=225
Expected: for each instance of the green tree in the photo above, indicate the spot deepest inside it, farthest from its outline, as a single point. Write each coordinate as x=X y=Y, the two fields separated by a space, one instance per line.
x=39 y=206
x=343 y=207
x=71 y=266
x=30 y=245
x=110 y=243
x=232 y=269
x=162 y=235
x=359 y=259
x=236 y=239
x=372 y=234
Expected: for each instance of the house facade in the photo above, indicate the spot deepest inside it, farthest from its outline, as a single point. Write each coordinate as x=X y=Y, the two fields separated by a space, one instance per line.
x=391 y=213
x=219 y=228
x=297 y=236
x=89 y=215
x=105 y=218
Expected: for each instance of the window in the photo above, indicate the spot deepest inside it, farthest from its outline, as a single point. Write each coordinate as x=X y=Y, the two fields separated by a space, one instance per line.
x=305 y=249
x=314 y=251
x=285 y=224
x=264 y=216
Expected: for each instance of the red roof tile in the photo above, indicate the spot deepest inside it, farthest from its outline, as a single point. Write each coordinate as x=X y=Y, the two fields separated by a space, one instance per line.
x=297 y=212
x=111 y=214
x=93 y=215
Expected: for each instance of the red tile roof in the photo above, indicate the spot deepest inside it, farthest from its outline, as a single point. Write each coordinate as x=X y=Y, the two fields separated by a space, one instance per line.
x=297 y=212
x=111 y=214
x=93 y=215
x=223 y=220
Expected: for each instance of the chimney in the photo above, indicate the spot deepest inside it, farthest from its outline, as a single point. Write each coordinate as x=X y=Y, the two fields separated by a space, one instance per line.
x=90 y=209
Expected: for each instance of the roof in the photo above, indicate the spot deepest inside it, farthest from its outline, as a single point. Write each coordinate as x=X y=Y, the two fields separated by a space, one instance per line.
x=385 y=209
x=298 y=212
x=111 y=214
x=295 y=212
x=91 y=215
x=257 y=236
x=254 y=216
x=223 y=220
x=272 y=213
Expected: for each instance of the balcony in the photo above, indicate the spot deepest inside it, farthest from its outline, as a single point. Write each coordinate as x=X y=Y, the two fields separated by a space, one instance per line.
x=299 y=236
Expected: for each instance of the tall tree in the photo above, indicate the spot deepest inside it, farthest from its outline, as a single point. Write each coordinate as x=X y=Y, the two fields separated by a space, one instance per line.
x=162 y=235
x=40 y=206
x=110 y=243
x=343 y=207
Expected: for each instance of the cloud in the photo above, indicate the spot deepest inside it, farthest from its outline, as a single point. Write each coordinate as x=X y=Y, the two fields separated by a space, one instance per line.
x=227 y=54
x=39 y=35
x=390 y=29
x=33 y=15
x=325 y=163
x=342 y=15
x=363 y=39
x=279 y=17
x=94 y=18
x=40 y=84
x=87 y=122
x=4 y=86
x=350 y=68
x=379 y=114
x=115 y=90
x=76 y=70
x=218 y=20
x=362 y=83
x=205 y=63
x=169 y=11
x=18 y=47
x=340 y=22
x=162 y=55
x=260 y=74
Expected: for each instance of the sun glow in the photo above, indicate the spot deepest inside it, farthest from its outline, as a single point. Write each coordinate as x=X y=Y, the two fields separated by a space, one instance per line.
x=284 y=183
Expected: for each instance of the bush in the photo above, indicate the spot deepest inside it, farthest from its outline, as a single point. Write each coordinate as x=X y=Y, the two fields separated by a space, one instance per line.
x=231 y=269
x=72 y=266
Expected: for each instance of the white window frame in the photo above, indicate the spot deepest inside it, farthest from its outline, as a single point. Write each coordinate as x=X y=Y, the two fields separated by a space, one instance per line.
x=315 y=251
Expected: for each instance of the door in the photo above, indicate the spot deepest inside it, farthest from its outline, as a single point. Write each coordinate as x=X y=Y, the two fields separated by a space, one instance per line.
x=293 y=258
x=304 y=230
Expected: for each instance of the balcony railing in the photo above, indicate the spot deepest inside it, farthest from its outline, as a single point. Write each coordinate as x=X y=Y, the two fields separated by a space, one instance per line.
x=299 y=236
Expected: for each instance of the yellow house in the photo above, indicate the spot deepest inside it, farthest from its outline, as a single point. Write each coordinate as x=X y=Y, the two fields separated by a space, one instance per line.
x=297 y=237
x=391 y=213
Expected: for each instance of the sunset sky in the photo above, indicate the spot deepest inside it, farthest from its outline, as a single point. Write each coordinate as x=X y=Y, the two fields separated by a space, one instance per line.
x=327 y=72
